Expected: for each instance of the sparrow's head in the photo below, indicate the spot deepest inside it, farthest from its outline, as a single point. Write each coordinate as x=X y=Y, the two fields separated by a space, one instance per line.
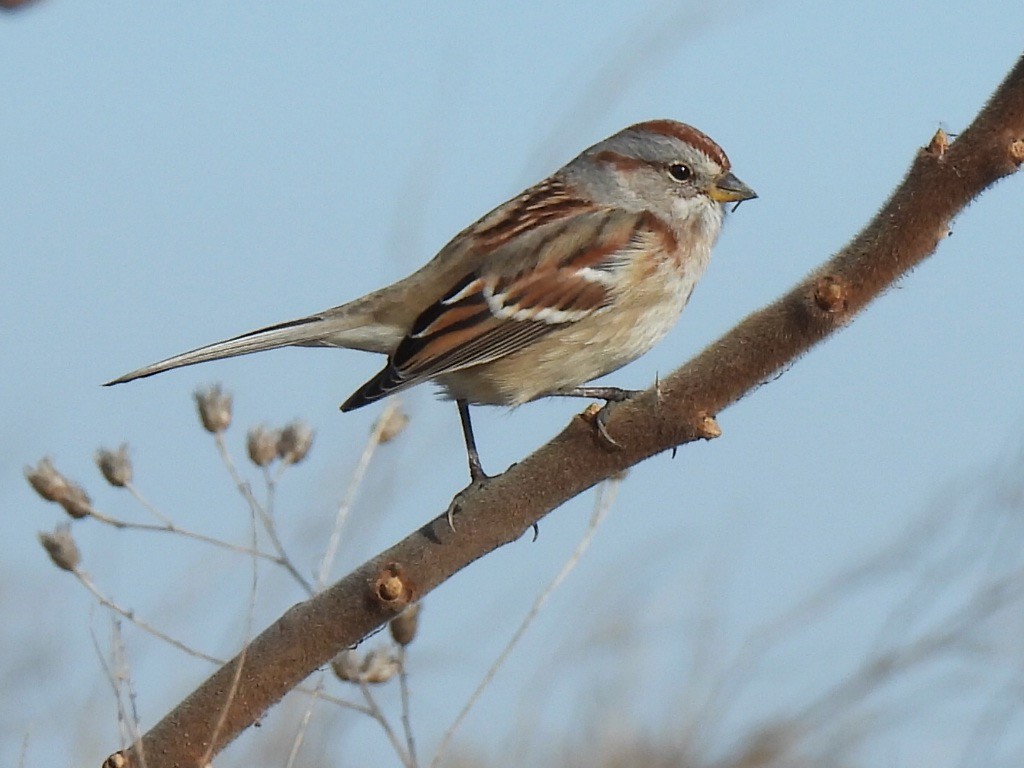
x=664 y=166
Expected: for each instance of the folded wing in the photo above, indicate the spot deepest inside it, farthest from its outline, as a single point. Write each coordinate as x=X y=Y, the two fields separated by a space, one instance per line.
x=554 y=275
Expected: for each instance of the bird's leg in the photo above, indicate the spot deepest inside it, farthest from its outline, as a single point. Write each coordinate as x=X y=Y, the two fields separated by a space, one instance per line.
x=476 y=471
x=609 y=395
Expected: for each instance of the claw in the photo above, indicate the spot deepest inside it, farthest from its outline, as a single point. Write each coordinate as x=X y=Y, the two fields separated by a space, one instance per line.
x=479 y=480
x=450 y=514
x=602 y=429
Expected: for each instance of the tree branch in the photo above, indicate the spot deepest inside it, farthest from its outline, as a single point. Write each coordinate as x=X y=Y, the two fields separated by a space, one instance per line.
x=943 y=179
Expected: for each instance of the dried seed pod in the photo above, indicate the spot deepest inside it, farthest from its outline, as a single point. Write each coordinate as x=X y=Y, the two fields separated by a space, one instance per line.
x=346 y=666
x=403 y=627
x=262 y=445
x=46 y=480
x=391 y=423
x=115 y=466
x=76 y=501
x=379 y=666
x=53 y=486
x=61 y=547
x=295 y=441
x=214 y=406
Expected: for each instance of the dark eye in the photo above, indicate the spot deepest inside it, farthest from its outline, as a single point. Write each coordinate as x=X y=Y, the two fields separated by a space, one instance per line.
x=680 y=172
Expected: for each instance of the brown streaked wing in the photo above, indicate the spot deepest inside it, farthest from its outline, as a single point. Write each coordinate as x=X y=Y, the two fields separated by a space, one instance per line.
x=543 y=203
x=545 y=279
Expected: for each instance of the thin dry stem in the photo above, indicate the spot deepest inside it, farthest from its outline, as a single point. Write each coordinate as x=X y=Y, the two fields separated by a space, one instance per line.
x=258 y=510
x=170 y=527
x=403 y=684
x=124 y=674
x=127 y=724
x=605 y=498
x=756 y=647
x=300 y=733
x=241 y=658
x=147 y=505
x=378 y=715
x=105 y=601
x=336 y=700
x=373 y=442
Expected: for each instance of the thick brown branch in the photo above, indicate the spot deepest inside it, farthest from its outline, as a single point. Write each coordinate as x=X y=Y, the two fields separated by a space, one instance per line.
x=943 y=179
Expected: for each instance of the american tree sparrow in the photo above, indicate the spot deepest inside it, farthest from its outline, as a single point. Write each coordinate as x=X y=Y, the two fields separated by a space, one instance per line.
x=566 y=282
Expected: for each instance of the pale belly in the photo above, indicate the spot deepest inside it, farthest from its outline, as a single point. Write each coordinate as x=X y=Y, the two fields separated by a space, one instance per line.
x=571 y=355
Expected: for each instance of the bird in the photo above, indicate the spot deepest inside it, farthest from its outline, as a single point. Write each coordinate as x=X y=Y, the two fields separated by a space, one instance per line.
x=570 y=280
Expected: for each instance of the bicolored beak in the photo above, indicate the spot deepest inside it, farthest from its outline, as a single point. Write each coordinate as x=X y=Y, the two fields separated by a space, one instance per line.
x=728 y=189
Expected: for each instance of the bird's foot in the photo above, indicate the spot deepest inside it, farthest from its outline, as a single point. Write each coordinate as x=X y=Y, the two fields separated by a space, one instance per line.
x=597 y=414
x=477 y=479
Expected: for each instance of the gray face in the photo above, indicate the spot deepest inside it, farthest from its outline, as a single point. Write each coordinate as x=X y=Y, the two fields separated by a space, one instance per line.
x=646 y=170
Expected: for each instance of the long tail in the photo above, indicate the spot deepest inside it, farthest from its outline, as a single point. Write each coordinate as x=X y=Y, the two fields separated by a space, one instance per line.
x=374 y=323
x=306 y=331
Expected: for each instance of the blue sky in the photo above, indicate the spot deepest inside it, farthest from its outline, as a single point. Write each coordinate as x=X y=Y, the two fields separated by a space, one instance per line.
x=175 y=175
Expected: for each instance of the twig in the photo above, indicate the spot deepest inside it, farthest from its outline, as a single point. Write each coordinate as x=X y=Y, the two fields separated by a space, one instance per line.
x=145 y=627
x=241 y=658
x=336 y=700
x=258 y=510
x=170 y=527
x=23 y=753
x=955 y=630
x=129 y=729
x=86 y=582
x=147 y=505
x=403 y=685
x=124 y=673
x=378 y=715
x=759 y=643
x=300 y=734
x=354 y=483
x=605 y=497
x=270 y=479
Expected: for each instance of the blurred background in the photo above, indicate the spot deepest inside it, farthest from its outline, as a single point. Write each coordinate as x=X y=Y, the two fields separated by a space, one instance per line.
x=835 y=581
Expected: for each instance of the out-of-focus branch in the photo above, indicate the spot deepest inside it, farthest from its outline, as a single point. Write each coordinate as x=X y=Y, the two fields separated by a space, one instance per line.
x=943 y=179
